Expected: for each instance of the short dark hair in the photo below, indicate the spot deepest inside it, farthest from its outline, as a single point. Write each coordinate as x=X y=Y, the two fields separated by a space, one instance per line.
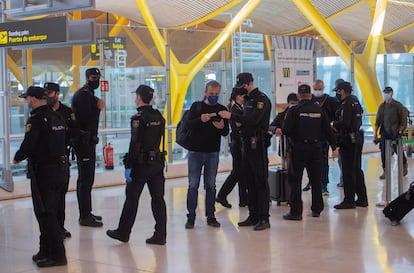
x=145 y=92
x=292 y=97
x=212 y=83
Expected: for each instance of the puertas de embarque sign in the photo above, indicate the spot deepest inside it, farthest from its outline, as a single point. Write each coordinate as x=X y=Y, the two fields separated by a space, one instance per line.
x=32 y=32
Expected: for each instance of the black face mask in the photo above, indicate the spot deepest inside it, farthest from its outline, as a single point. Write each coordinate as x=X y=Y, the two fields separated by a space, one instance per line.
x=51 y=100
x=93 y=84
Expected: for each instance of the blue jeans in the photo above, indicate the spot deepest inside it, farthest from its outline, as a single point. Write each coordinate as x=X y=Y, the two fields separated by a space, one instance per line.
x=196 y=162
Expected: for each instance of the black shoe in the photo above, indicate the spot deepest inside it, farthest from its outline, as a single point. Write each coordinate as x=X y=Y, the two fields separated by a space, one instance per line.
x=114 y=234
x=66 y=234
x=345 y=205
x=243 y=204
x=155 y=240
x=97 y=217
x=363 y=204
x=289 y=216
x=48 y=262
x=223 y=202
x=212 y=221
x=316 y=214
x=340 y=184
x=248 y=222
x=38 y=256
x=262 y=224
x=189 y=224
x=307 y=187
x=90 y=221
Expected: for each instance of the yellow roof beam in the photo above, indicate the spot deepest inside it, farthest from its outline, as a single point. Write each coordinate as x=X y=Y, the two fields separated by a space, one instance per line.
x=15 y=69
x=333 y=16
x=182 y=74
x=365 y=74
x=141 y=46
x=212 y=14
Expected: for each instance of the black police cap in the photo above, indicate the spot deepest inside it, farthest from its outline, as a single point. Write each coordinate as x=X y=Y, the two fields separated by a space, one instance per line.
x=51 y=86
x=304 y=89
x=387 y=89
x=92 y=72
x=35 y=91
x=346 y=86
x=244 y=78
x=338 y=81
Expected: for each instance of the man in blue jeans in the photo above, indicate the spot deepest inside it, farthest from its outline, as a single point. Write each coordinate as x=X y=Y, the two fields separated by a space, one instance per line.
x=207 y=128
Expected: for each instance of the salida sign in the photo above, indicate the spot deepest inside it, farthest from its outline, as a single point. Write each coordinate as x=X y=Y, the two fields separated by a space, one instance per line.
x=40 y=31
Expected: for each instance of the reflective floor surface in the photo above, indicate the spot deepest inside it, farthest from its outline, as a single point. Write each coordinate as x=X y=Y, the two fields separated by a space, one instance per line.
x=359 y=240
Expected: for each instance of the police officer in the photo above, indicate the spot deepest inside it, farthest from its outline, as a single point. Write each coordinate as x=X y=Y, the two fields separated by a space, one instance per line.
x=147 y=164
x=306 y=126
x=347 y=125
x=255 y=123
x=67 y=115
x=44 y=147
x=87 y=108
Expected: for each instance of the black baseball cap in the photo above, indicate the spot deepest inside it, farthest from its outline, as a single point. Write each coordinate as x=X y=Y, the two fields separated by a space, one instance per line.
x=387 y=89
x=238 y=91
x=93 y=72
x=244 y=78
x=292 y=97
x=304 y=89
x=51 y=86
x=346 y=86
x=338 y=81
x=35 y=91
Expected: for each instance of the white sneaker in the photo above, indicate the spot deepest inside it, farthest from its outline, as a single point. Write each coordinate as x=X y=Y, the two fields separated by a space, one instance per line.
x=381 y=204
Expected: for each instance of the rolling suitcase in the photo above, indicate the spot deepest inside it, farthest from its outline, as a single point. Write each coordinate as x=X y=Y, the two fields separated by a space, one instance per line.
x=278 y=181
x=278 y=184
x=400 y=206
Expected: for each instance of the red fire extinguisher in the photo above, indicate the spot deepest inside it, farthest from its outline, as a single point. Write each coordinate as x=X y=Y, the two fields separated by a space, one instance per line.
x=109 y=157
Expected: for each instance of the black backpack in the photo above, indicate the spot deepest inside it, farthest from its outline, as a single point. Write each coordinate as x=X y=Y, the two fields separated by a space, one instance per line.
x=183 y=132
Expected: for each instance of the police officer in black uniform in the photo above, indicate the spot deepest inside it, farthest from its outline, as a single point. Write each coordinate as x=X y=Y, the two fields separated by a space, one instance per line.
x=87 y=108
x=255 y=140
x=235 y=177
x=306 y=126
x=67 y=115
x=44 y=147
x=147 y=164
x=347 y=125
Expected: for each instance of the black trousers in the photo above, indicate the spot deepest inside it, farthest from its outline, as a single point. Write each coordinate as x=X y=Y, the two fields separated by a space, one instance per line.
x=153 y=176
x=360 y=187
x=62 y=205
x=46 y=195
x=255 y=173
x=86 y=159
x=309 y=156
x=349 y=156
x=235 y=175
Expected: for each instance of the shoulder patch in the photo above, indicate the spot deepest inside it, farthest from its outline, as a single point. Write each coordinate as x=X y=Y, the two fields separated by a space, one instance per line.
x=72 y=116
x=28 y=127
x=260 y=105
x=135 y=123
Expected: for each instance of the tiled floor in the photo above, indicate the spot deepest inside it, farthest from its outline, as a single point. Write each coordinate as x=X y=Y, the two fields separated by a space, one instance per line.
x=359 y=240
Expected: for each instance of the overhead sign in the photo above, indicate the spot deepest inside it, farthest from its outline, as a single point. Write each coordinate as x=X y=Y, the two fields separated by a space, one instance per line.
x=251 y=46
x=27 y=8
x=31 y=32
x=110 y=45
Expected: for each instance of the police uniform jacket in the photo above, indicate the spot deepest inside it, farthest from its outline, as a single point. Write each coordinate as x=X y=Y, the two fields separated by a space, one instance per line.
x=349 y=115
x=329 y=104
x=307 y=123
x=69 y=118
x=44 y=139
x=85 y=107
x=147 y=129
x=235 y=130
x=256 y=115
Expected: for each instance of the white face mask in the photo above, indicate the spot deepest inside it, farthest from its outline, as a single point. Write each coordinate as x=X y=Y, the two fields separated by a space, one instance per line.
x=387 y=96
x=317 y=93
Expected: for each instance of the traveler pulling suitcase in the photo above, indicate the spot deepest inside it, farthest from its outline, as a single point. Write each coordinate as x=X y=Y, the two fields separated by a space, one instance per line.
x=399 y=207
x=278 y=179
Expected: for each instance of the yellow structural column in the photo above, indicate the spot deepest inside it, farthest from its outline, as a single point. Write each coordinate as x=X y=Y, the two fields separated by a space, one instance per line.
x=29 y=66
x=182 y=74
x=76 y=60
x=365 y=72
